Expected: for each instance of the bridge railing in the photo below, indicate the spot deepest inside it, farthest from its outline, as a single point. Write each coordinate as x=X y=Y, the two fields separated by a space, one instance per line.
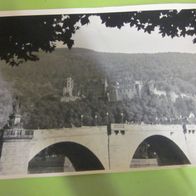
x=18 y=134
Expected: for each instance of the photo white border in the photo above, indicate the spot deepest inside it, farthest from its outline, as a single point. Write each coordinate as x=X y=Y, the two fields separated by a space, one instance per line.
x=149 y=7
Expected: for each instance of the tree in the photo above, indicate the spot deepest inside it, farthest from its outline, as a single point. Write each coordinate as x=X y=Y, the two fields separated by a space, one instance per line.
x=5 y=102
x=21 y=37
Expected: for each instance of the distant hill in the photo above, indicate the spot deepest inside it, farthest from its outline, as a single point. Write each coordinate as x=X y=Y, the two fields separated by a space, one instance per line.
x=40 y=86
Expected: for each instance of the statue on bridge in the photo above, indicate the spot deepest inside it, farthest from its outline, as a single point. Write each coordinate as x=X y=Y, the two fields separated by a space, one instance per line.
x=15 y=117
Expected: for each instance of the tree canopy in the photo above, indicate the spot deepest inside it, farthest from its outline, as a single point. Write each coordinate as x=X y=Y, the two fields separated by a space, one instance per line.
x=21 y=37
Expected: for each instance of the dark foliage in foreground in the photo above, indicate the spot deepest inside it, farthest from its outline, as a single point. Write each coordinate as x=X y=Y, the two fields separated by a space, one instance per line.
x=21 y=37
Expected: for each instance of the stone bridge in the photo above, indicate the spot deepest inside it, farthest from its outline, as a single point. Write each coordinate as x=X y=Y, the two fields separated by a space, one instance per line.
x=112 y=146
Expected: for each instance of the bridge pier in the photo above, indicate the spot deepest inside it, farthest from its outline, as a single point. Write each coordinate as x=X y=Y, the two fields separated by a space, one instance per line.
x=190 y=137
x=14 y=157
x=15 y=152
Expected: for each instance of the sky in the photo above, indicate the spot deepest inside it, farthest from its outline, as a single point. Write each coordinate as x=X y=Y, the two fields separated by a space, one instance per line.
x=97 y=37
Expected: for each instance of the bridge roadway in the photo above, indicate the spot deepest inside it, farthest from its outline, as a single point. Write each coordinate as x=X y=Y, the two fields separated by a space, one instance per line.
x=114 y=148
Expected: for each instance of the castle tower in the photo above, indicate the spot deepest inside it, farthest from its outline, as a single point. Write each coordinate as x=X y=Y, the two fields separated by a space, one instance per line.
x=138 y=87
x=68 y=91
x=117 y=88
x=68 y=88
x=106 y=90
x=151 y=87
x=106 y=85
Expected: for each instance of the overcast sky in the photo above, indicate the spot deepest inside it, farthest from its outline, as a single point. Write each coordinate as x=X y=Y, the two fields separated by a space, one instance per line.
x=97 y=37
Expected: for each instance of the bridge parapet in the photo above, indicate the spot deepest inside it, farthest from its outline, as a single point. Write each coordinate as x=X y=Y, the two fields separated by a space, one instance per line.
x=18 y=133
x=127 y=128
x=70 y=132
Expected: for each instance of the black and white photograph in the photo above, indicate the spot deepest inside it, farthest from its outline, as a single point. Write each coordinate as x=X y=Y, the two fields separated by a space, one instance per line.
x=97 y=91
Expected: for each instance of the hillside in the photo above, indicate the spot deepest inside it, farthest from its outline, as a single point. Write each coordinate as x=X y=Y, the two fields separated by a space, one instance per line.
x=5 y=102
x=39 y=86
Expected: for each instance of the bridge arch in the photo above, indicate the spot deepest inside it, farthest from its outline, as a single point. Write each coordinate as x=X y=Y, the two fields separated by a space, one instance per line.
x=64 y=156
x=162 y=149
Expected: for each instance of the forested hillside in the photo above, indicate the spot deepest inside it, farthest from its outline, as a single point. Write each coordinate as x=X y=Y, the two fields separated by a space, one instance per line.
x=39 y=86
x=5 y=102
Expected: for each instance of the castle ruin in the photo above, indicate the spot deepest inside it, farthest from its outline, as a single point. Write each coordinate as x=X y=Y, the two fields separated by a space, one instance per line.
x=68 y=91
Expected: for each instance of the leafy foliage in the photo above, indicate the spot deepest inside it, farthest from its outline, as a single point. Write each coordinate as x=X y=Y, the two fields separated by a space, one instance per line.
x=21 y=37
